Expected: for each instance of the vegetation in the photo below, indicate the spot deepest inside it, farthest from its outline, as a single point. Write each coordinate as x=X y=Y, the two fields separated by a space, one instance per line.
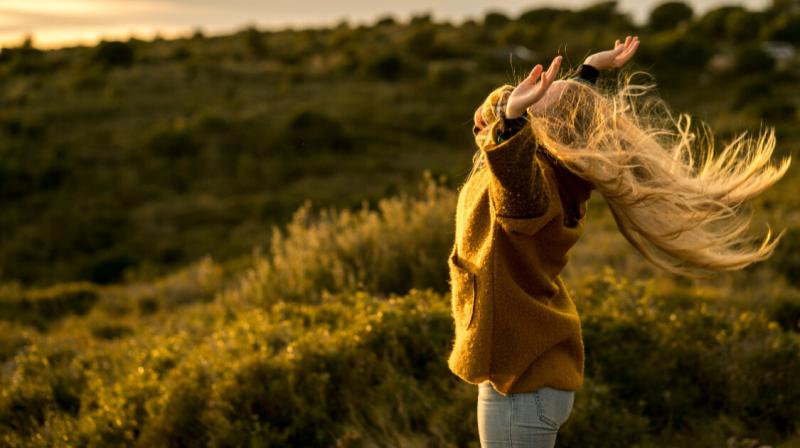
x=291 y=350
x=241 y=240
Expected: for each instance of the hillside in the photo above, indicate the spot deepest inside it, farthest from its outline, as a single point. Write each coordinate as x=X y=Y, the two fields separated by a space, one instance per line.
x=241 y=240
x=137 y=157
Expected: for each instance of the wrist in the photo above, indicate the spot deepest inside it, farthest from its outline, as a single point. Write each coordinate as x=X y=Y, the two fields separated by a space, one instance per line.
x=510 y=125
x=513 y=114
x=594 y=63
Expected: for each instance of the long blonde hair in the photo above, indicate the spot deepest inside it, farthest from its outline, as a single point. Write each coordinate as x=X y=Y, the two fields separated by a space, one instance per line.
x=671 y=198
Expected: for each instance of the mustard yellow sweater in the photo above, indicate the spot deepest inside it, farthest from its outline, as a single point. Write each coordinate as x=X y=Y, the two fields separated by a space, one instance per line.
x=515 y=323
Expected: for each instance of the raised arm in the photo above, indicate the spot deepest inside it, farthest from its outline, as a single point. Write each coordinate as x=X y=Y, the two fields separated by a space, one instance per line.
x=616 y=57
x=516 y=186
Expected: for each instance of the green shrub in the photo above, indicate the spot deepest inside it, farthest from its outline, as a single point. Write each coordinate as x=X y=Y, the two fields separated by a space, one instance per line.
x=543 y=16
x=601 y=419
x=751 y=58
x=23 y=60
x=108 y=269
x=447 y=76
x=174 y=140
x=311 y=131
x=669 y=15
x=714 y=23
x=385 y=20
x=420 y=40
x=254 y=42
x=785 y=27
x=692 y=361
x=111 y=331
x=113 y=54
x=386 y=66
x=743 y=26
x=40 y=306
x=495 y=19
x=675 y=52
x=400 y=245
x=753 y=90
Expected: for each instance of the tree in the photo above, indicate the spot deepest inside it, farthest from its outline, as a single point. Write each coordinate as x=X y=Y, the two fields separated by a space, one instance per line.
x=386 y=20
x=254 y=41
x=113 y=54
x=715 y=21
x=679 y=51
x=742 y=25
x=669 y=15
x=752 y=59
x=495 y=19
x=785 y=27
x=543 y=16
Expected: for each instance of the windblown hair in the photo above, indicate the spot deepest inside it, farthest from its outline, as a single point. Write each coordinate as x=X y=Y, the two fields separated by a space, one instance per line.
x=673 y=199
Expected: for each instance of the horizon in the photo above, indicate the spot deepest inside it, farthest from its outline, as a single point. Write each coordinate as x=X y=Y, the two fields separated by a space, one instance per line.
x=53 y=24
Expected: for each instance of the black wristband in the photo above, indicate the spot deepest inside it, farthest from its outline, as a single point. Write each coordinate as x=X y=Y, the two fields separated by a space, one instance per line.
x=511 y=126
x=589 y=73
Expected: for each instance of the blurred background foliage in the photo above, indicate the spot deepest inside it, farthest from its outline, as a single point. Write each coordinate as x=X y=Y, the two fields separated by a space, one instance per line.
x=242 y=239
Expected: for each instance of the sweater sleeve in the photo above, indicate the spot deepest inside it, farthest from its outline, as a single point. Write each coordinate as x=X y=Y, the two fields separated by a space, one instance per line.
x=516 y=187
x=588 y=74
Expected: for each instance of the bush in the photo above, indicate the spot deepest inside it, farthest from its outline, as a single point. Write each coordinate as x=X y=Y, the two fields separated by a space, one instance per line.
x=706 y=358
x=742 y=25
x=39 y=307
x=109 y=268
x=601 y=14
x=447 y=76
x=254 y=42
x=310 y=131
x=113 y=54
x=421 y=40
x=399 y=246
x=669 y=15
x=756 y=90
x=714 y=23
x=385 y=20
x=516 y=33
x=785 y=27
x=678 y=51
x=387 y=66
x=752 y=59
x=174 y=140
x=601 y=420
x=495 y=19
x=23 y=60
x=544 y=16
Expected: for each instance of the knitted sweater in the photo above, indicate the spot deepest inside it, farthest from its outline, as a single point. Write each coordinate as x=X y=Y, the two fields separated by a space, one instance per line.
x=515 y=322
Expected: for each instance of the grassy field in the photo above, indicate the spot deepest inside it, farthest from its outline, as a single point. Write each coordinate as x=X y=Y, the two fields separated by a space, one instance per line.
x=241 y=240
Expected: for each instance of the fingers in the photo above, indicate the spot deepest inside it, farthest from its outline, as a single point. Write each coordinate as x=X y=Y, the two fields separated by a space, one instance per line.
x=529 y=91
x=534 y=74
x=553 y=70
x=630 y=49
x=547 y=78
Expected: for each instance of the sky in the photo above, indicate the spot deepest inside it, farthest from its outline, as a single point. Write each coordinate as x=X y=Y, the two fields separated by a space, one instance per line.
x=56 y=23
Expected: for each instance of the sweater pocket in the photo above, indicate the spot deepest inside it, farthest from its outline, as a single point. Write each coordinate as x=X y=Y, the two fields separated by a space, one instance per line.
x=463 y=289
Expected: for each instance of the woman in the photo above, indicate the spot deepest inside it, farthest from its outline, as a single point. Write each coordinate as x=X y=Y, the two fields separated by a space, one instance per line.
x=542 y=147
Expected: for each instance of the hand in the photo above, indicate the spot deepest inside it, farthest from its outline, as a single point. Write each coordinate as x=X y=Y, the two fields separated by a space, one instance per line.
x=529 y=91
x=617 y=57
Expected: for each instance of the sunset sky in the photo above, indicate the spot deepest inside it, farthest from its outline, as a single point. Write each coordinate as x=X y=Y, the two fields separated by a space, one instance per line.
x=66 y=22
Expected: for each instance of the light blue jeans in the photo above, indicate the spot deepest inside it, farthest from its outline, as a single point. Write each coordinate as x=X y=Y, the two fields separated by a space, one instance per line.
x=517 y=420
